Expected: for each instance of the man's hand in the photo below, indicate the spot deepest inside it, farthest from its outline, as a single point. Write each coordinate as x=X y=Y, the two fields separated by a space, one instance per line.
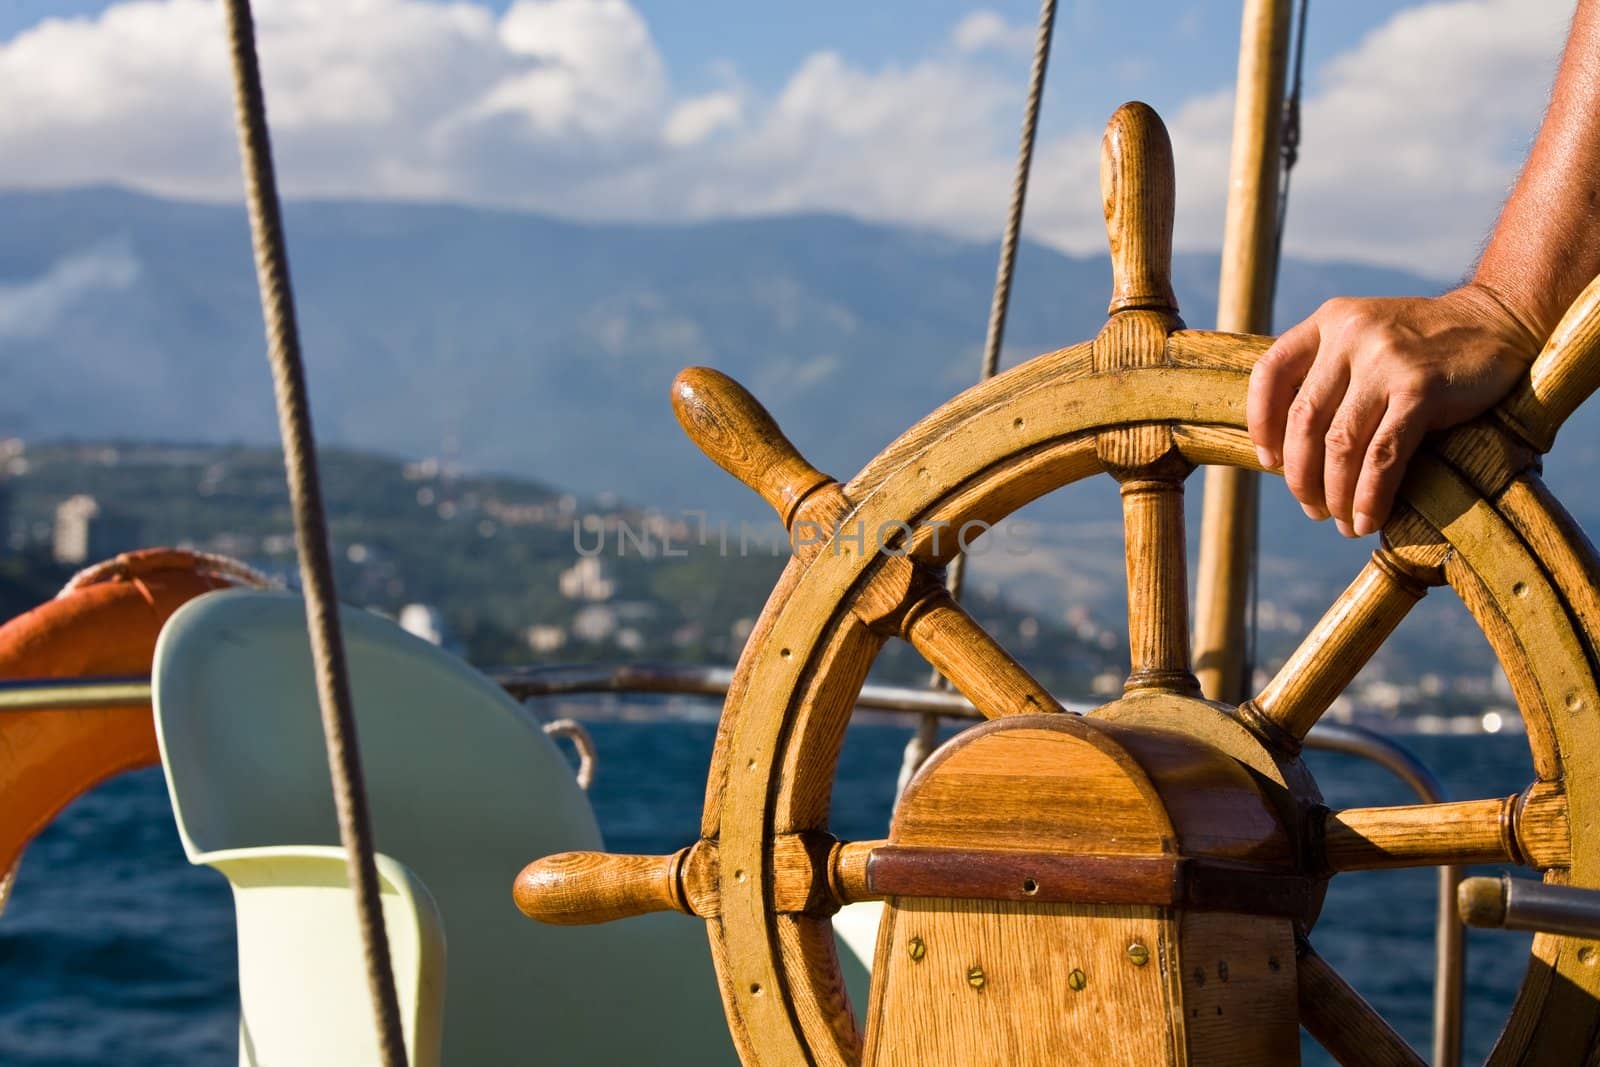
x=1342 y=400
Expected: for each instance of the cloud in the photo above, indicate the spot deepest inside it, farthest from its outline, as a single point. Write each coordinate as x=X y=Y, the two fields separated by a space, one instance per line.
x=986 y=30
x=699 y=117
x=594 y=70
x=35 y=307
x=1413 y=138
x=557 y=105
x=567 y=106
x=1410 y=141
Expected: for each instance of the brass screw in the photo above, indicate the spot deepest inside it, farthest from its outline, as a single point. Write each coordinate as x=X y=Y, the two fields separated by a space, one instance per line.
x=1138 y=954
x=975 y=977
x=1077 y=980
x=917 y=949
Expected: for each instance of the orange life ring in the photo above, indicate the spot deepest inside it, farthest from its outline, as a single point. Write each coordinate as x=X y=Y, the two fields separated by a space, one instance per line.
x=105 y=622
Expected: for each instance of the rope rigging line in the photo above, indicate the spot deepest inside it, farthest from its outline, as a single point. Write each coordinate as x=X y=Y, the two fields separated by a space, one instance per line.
x=921 y=744
x=1000 y=304
x=1289 y=155
x=1290 y=148
x=311 y=534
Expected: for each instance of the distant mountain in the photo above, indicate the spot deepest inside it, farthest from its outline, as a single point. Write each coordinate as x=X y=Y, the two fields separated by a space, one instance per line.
x=497 y=558
x=543 y=349
x=524 y=344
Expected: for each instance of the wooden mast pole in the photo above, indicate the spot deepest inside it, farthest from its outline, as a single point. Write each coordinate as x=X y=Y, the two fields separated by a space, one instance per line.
x=1244 y=305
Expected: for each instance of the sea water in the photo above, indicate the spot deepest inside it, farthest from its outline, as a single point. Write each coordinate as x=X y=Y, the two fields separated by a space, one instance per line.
x=114 y=950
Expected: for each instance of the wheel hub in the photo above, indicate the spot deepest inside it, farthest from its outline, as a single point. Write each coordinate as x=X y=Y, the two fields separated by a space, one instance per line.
x=1038 y=863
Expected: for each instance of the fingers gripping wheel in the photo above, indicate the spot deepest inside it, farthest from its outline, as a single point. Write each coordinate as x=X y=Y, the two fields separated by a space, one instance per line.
x=1040 y=864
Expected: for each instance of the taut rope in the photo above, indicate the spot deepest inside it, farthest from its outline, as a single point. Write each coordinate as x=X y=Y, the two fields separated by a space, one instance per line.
x=1291 y=129
x=311 y=533
x=921 y=744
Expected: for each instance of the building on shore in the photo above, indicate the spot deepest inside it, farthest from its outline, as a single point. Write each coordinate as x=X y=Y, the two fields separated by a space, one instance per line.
x=85 y=532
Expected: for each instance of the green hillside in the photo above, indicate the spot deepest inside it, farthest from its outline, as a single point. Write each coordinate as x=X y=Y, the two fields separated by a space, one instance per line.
x=499 y=558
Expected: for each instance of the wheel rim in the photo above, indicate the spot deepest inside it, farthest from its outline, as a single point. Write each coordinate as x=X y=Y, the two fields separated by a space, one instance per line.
x=996 y=448
x=1145 y=402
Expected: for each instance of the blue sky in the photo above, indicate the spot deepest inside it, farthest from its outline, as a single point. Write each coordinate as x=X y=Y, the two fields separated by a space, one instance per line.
x=1185 y=47
x=897 y=111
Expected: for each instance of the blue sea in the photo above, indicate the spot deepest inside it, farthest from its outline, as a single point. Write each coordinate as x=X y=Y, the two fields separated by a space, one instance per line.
x=114 y=950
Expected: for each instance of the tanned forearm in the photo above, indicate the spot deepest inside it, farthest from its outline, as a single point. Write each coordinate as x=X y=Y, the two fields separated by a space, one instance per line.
x=1342 y=400
x=1546 y=246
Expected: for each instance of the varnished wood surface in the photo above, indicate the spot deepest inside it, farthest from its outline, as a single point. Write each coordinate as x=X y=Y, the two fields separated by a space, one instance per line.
x=742 y=438
x=1090 y=788
x=1137 y=189
x=1024 y=784
x=1488 y=457
x=1513 y=659
x=1515 y=598
x=1238 y=992
x=1565 y=374
x=953 y=642
x=1025 y=1008
x=1244 y=305
x=1184 y=397
x=1250 y=226
x=1529 y=828
x=802 y=869
x=1338 y=646
x=818 y=999
x=1206 y=443
x=1421 y=835
x=1494 y=546
x=1138 y=193
x=1158 y=585
x=1136 y=340
x=1542 y=826
x=1047 y=877
x=811 y=874
x=1282 y=778
x=1060 y=983
x=577 y=888
x=847 y=873
x=810 y=991
x=1218 y=808
x=1229 y=517
x=1344 y=1023
x=1068 y=364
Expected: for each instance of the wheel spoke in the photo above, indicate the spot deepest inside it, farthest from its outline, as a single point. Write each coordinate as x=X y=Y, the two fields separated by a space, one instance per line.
x=961 y=650
x=1336 y=649
x=1420 y=835
x=1343 y=1022
x=1529 y=829
x=1158 y=586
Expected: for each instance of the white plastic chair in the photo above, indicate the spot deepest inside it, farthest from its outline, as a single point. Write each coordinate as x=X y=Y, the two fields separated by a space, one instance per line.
x=293 y=905
x=465 y=789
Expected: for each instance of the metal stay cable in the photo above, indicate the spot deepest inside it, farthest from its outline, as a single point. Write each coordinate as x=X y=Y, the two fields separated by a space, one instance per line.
x=311 y=534
x=921 y=743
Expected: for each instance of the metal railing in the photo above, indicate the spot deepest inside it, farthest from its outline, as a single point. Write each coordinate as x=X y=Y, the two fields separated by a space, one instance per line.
x=543 y=682
x=1450 y=942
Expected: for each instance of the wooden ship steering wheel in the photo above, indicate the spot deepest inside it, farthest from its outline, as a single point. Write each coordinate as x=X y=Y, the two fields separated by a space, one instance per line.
x=1137 y=885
